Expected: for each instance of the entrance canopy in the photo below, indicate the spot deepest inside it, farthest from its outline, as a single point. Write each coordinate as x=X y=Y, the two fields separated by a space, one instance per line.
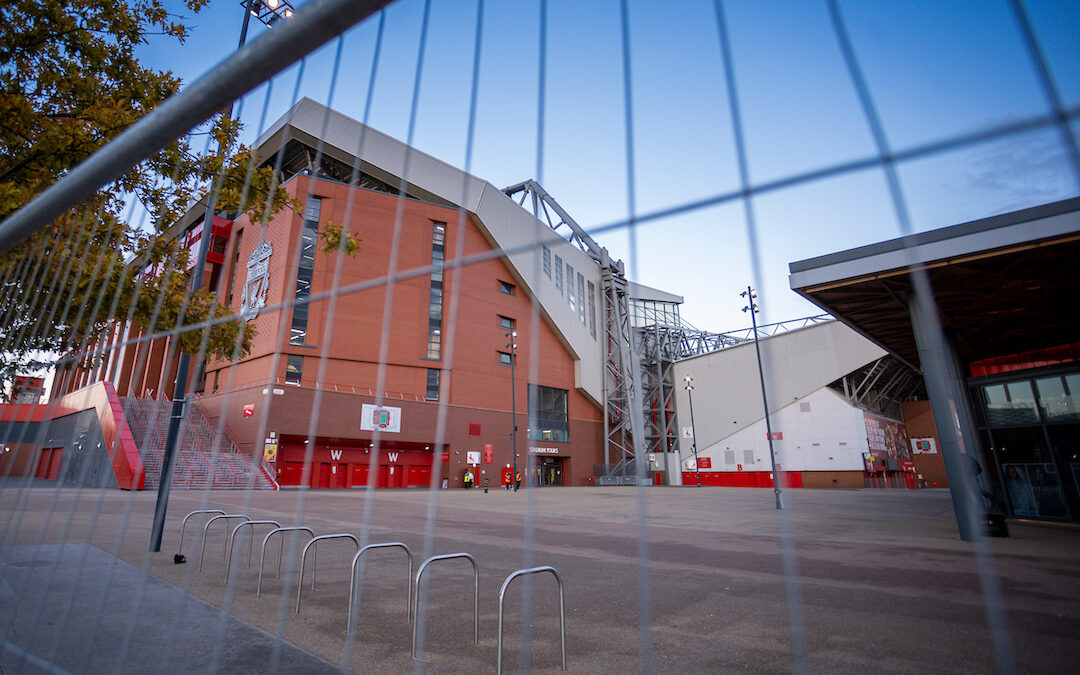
x=1003 y=285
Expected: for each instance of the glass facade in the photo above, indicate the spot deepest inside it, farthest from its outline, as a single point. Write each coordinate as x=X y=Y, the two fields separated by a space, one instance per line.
x=435 y=303
x=433 y=375
x=308 y=238
x=294 y=369
x=548 y=420
x=649 y=313
x=1031 y=426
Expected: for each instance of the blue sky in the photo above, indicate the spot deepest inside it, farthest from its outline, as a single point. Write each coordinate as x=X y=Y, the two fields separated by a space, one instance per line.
x=935 y=69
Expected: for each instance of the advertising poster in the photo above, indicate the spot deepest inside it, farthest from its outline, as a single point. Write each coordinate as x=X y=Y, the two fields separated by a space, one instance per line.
x=887 y=438
x=1034 y=490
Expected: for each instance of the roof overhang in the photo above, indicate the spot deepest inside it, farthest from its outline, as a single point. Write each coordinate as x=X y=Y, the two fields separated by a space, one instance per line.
x=1003 y=285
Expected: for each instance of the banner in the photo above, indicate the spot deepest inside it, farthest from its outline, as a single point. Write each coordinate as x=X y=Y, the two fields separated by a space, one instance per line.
x=380 y=418
x=886 y=438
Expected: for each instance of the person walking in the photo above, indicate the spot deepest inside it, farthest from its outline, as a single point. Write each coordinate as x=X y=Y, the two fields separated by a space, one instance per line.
x=486 y=479
x=517 y=481
x=468 y=479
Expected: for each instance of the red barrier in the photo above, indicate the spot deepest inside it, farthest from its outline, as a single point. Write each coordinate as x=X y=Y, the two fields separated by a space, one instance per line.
x=791 y=479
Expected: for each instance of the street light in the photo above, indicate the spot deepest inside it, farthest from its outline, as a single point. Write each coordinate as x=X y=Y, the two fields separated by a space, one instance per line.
x=269 y=12
x=693 y=430
x=751 y=307
x=512 y=346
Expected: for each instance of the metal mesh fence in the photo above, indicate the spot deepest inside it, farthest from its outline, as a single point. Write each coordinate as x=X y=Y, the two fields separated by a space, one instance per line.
x=328 y=339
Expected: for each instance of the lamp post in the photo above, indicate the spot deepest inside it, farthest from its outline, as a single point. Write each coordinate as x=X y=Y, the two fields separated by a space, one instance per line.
x=750 y=294
x=269 y=12
x=693 y=429
x=512 y=346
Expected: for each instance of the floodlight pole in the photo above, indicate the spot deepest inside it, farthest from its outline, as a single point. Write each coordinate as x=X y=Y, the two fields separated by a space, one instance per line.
x=179 y=398
x=513 y=403
x=693 y=429
x=750 y=294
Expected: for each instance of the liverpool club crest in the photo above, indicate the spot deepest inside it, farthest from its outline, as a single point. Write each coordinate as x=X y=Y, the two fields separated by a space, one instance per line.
x=258 y=281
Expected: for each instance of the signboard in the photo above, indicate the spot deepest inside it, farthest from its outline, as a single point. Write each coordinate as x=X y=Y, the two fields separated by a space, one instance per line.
x=775 y=436
x=489 y=453
x=886 y=438
x=704 y=462
x=380 y=418
x=472 y=457
x=923 y=446
x=543 y=451
x=270 y=452
x=688 y=432
x=249 y=410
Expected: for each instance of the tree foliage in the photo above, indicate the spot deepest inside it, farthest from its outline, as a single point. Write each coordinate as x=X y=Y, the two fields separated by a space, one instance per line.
x=69 y=83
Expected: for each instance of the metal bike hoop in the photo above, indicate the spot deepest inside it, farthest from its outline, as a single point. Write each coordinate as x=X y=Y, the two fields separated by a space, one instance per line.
x=562 y=610
x=476 y=596
x=227 y=517
x=229 y=545
x=262 y=554
x=303 y=560
x=180 y=546
x=354 y=586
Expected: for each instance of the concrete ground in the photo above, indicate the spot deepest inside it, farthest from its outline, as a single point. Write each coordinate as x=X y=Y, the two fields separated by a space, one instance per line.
x=656 y=579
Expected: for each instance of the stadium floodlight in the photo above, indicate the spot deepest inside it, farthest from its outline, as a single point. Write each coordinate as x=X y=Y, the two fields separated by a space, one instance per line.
x=693 y=430
x=752 y=307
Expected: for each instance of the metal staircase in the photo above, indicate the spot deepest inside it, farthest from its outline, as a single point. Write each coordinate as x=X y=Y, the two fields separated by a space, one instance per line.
x=208 y=456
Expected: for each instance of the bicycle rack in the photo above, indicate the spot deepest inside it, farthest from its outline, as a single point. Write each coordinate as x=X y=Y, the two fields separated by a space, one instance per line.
x=180 y=546
x=476 y=596
x=562 y=610
x=227 y=517
x=353 y=585
x=262 y=554
x=229 y=545
x=303 y=560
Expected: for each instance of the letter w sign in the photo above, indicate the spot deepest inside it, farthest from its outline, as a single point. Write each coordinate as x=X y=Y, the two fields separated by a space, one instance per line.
x=393 y=456
x=335 y=454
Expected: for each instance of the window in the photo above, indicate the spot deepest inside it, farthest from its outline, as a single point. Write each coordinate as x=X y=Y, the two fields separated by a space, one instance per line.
x=581 y=297
x=547 y=262
x=506 y=287
x=313 y=209
x=308 y=240
x=435 y=301
x=558 y=274
x=504 y=358
x=547 y=414
x=570 y=288
x=235 y=265
x=506 y=323
x=294 y=369
x=433 y=384
x=592 y=309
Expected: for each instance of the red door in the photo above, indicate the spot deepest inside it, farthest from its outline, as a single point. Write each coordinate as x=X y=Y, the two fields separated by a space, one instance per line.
x=359 y=474
x=324 y=476
x=54 y=464
x=292 y=473
x=43 y=464
x=339 y=477
x=419 y=475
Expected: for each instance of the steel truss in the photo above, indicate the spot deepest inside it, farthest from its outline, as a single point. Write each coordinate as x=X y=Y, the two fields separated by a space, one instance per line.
x=623 y=423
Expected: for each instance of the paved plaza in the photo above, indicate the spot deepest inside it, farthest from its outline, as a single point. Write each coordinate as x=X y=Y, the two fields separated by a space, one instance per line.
x=875 y=580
